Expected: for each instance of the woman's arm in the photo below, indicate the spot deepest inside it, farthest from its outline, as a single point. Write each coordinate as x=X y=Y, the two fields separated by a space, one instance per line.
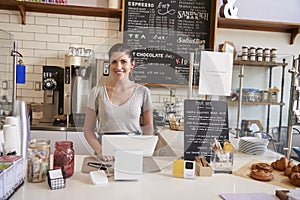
x=89 y=130
x=148 y=122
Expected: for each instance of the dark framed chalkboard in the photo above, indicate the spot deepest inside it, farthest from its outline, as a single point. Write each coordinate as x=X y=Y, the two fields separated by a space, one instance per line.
x=204 y=121
x=164 y=33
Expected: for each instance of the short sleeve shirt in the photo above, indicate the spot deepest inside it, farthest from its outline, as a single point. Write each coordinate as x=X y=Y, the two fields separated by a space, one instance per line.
x=124 y=118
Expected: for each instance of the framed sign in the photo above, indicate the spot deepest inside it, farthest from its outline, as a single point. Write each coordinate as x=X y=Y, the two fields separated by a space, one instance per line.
x=164 y=33
x=204 y=121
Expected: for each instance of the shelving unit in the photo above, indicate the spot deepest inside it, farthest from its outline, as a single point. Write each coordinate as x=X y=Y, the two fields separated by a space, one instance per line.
x=270 y=65
x=24 y=7
x=259 y=25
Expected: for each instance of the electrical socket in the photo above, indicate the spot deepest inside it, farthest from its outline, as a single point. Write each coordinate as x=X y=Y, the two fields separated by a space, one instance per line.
x=37 y=86
x=172 y=92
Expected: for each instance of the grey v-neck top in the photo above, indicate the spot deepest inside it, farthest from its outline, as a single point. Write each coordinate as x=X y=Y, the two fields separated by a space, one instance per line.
x=124 y=118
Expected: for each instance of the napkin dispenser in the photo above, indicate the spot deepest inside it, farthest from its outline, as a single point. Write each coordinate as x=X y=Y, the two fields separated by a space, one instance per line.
x=184 y=169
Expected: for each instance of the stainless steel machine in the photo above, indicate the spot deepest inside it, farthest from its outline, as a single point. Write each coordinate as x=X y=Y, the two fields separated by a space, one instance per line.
x=79 y=78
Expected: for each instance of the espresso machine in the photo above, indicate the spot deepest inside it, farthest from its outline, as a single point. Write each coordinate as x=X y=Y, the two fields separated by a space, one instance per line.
x=53 y=86
x=79 y=78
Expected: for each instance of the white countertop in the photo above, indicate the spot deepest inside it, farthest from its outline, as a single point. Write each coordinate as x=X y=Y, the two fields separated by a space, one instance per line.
x=161 y=185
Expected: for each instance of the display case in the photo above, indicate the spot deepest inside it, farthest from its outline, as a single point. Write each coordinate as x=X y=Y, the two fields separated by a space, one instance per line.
x=6 y=74
x=9 y=56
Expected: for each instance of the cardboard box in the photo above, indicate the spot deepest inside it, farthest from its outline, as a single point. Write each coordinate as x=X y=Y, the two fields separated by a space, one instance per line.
x=203 y=168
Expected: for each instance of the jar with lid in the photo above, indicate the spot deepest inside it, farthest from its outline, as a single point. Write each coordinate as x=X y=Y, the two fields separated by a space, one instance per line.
x=63 y=157
x=38 y=160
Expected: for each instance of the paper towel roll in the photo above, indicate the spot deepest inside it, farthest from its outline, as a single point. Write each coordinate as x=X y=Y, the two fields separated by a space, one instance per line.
x=15 y=120
x=11 y=138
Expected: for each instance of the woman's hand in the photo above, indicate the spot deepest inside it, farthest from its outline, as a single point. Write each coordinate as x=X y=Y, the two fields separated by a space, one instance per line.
x=105 y=158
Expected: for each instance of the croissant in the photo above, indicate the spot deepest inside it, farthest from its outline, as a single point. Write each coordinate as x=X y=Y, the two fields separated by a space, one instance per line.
x=280 y=164
x=295 y=178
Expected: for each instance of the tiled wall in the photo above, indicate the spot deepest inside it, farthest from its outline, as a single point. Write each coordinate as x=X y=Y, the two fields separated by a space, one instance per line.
x=46 y=38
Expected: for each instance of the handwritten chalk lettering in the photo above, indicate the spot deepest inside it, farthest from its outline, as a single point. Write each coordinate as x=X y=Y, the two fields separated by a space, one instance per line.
x=163 y=9
x=140 y=4
x=150 y=55
x=191 y=15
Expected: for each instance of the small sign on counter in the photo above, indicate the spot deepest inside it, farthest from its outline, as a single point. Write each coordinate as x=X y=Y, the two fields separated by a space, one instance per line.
x=204 y=121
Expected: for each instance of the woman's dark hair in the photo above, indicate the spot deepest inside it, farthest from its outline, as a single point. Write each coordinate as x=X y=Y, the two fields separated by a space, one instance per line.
x=120 y=47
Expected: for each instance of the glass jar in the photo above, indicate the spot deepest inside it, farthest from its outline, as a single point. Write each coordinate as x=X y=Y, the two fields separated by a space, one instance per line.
x=63 y=157
x=38 y=160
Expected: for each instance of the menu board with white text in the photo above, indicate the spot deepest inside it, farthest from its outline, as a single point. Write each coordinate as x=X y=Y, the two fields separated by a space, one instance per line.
x=164 y=33
x=204 y=121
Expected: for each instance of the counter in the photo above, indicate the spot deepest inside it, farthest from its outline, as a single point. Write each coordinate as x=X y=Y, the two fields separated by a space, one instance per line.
x=161 y=185
x=152 y=186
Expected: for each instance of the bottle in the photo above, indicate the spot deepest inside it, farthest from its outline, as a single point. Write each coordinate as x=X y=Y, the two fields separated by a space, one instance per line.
x=63 y=157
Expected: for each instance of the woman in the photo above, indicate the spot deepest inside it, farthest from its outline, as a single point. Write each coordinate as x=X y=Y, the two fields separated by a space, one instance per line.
x=117 y=106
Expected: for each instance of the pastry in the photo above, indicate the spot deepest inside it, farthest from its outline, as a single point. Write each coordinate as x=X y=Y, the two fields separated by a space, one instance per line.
x=261 y=175
x=292 y=168
x=263 y=166
x=281 y=164
x=295 y=178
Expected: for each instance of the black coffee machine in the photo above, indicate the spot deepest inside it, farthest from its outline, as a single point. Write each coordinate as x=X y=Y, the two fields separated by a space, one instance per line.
x=53 y=86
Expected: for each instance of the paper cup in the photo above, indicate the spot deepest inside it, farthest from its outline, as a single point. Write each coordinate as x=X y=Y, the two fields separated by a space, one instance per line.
x=11 y=138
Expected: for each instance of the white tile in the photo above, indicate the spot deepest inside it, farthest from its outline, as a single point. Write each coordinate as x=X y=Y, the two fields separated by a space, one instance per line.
x=57 y=46
x=34 y=28
x=83 y=32
x=60 y=16
x=46 y=53
x=59 y=30
x=34 y=45
x=23 y=36
x=102 y=33
x=34 y=61
x=70 y=39
x=55 y=62
x=113 y=25
x=11 y=27
x=94 y=40
x=5 y=17
x=70 y=22
x=95 y=24
x=46 y=21
x=28 y=84
x=46 y=37
x=82 y=17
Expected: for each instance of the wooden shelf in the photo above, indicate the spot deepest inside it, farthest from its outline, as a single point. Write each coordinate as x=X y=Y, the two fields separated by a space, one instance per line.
x=259 y=25
x=259 y=64
x=23 y=7
x=256 y=103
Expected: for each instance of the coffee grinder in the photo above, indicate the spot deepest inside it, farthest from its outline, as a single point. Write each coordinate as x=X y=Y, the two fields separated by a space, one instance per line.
x=53 y=86
x=79 y=78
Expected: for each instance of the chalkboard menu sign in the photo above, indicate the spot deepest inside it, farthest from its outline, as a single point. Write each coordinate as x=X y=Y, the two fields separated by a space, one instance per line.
x=164 y=33
x=203 y=122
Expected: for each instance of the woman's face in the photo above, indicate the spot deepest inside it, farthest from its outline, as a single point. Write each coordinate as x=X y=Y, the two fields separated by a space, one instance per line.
x=120 y=65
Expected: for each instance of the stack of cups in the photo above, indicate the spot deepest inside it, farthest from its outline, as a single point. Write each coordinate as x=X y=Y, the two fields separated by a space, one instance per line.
x=22 y=112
